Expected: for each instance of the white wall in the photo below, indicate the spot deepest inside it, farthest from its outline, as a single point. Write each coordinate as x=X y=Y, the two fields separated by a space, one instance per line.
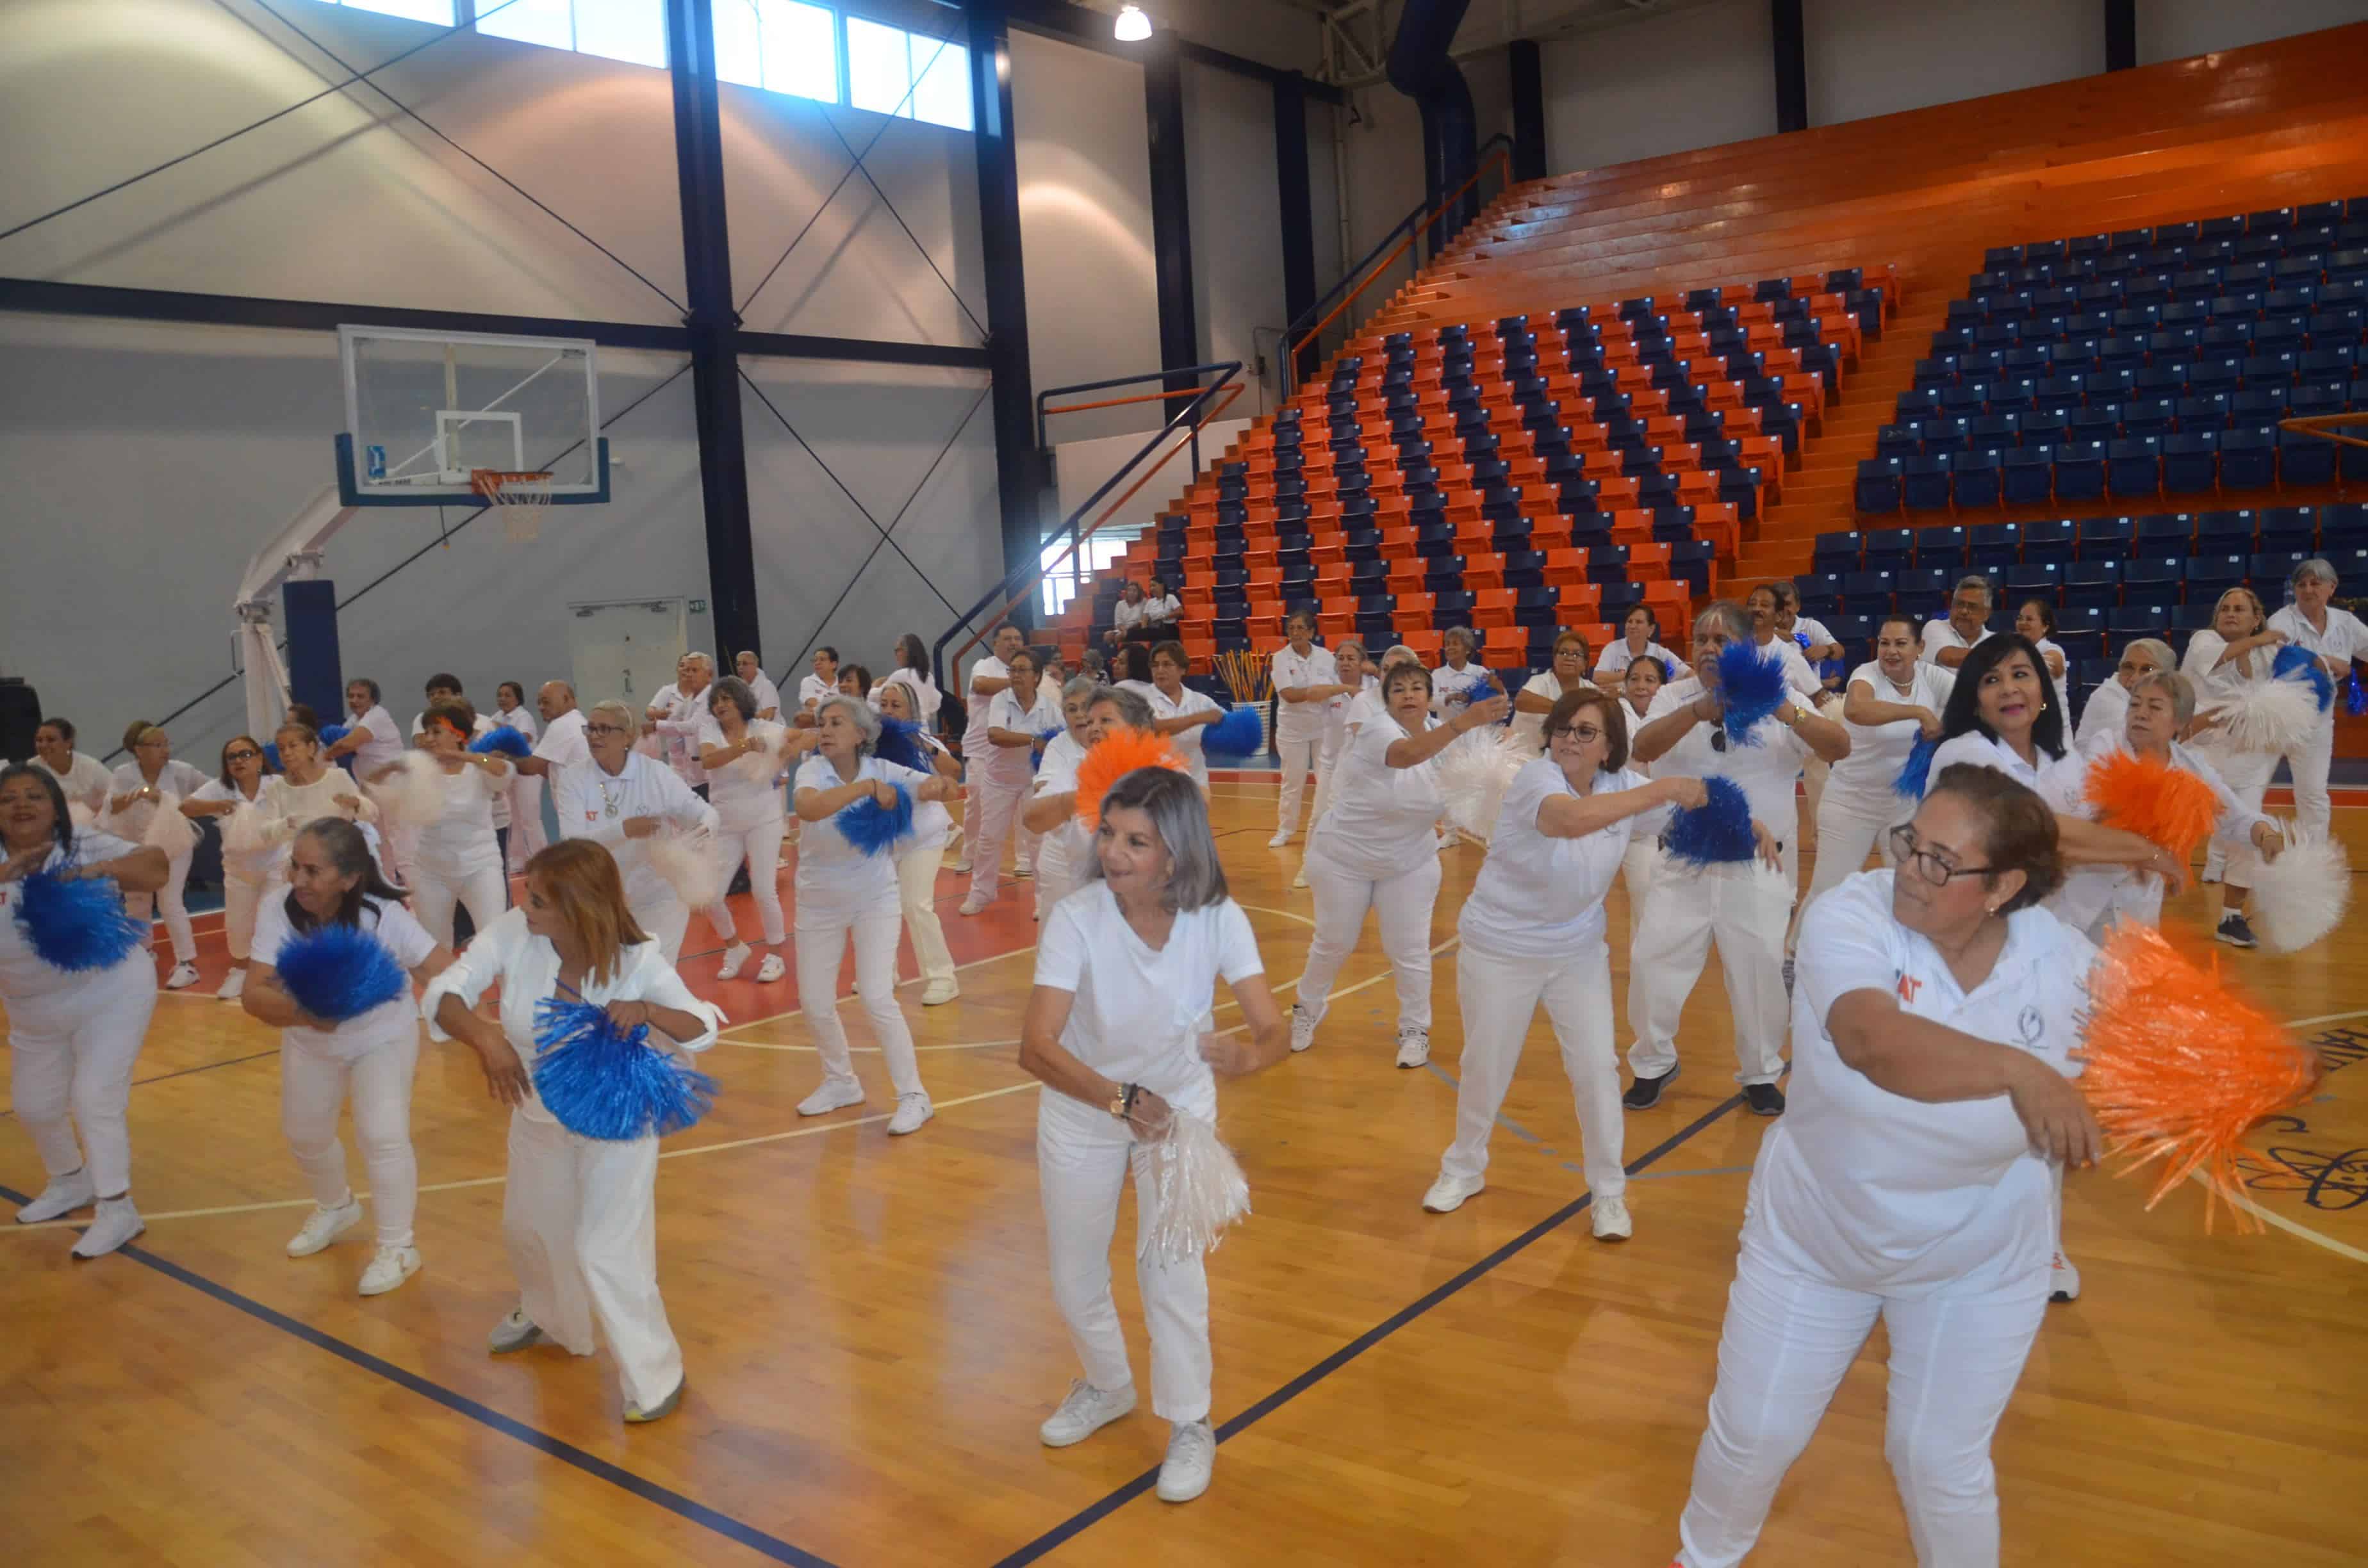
x=2173 y=30
x=1229 y=169
x=1871 y=57
x=1666 y=85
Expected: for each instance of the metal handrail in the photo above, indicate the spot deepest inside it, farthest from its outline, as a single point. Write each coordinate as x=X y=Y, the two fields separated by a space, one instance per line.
x=1021 y=581
x=1042 y=440
x=1497 y=148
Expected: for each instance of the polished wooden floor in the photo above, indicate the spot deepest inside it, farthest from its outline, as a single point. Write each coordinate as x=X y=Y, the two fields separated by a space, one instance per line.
x=871 y=1340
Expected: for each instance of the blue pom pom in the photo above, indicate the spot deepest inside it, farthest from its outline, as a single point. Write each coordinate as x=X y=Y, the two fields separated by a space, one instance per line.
x=331 y=734
x=271 y=757
x=900 y=742
x=2355 y=695
x=1916 y=774
x=1752 y=686
x=76 y=926
x=1717 y=833
x=873 y=828
x=1236 y=735
x=2301 y=664
x=502 y=739
x=1043 y=738
x=606 y=1084
x=335 y=972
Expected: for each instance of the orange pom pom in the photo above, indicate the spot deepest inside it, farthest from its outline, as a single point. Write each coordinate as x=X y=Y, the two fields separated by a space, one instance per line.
x=2152 y=798
x=1114 y=756
x=2180 y=1066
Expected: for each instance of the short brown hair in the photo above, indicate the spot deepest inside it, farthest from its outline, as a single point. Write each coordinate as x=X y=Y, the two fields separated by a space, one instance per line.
x=1566 y=712
x=1402 y=670
x=580 y=876
x=1173 y=651
x=1567 y=635
x=2018 y=825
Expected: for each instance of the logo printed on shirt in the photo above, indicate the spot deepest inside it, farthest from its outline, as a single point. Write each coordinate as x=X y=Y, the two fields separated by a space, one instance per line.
x=1908 y=986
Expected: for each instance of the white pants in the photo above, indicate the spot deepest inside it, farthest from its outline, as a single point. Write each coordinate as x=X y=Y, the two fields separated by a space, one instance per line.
x=1743 y=907
x=2309 y=767
x=526 y=839
x=1790 y=1337
x=1083 y=1166
x=666 y=918
x=434 y=894
x=1404 y=903
x=1301 y=754
x=2246 y=774
x=313 y=1086
x=580 y=1216
x=1327 y=757
x=821 y=940
x=998 y=795
x=240 y=899
x=1639 y=868
x=760 y=847
x=171 y=900
x=1055 y=877
x=70 y=1056
x=1500 y=995
x=916 y=897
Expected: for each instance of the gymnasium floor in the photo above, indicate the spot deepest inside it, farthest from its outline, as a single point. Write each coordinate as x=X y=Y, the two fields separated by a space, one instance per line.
x=871 y=1340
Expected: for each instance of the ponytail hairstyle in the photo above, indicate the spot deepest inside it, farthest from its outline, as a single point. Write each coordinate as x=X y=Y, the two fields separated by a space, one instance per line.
x=347 y=849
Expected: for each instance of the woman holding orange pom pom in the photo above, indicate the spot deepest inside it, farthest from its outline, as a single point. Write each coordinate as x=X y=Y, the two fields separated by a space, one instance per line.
x=2227 y=665
x=1912 y=1179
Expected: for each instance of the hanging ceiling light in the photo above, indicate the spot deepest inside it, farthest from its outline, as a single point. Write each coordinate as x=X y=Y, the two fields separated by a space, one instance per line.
x=1133 y=26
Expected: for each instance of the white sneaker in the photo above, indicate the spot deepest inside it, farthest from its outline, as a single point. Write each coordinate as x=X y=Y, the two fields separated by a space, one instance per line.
x=233 y=986
x=1414 y=1047
x=912 y=1110
x=1448 y=1193
x=1611 y=1220
x=734 y=958
x=1085 y=1412
x=2062 y=1280
x=956 y=866
x=61 y=1197
x=1281 y=836
x=835 y=1094
x=771 y=969
x=1191 y=1455
x=1299 y=880
x=937 y=993
x=1023 y=872
x=184 y=976
x=1303 y=1027
x=390 y=1268
x=514 y=1332
x=973 y=904
x=116 y=1223
x=326 y=1226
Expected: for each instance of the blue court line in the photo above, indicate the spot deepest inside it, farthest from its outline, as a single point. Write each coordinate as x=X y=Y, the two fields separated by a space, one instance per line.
x=1507 y=1122
x=649 y=1491
x=1069 y=1527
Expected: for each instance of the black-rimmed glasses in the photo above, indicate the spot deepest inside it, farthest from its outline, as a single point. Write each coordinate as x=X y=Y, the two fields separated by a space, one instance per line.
x=1933 y=865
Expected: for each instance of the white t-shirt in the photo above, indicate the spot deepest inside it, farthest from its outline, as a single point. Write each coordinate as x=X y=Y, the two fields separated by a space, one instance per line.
x=458 y=842
x=384 y=746
x=1882 y=1193
x=932 y=823
x=1543 y=898
x=527 y=967
x=1302 y=721
x=1764 y=771
x=1940 y=636
x=1810 y=626
x=2345 y=638
x=677 y=730
x=2107 y=713
x=86 y=781
x=837 y=881
x=2216 y=687
x=1160 y=611
x=1138 y=1012
x=2058 y=692
x=1381 y=821
x=176 y=778
x=482 y=727
x=2090 y=890
x=1533 y=726
x=1613 y=661
x=250 y=865
x=521 y=718
x=1187 y=741
x=767 y=694
x=24 y=974
x=563 y=745
x=741 y=790
x=392 y=1021
x=1797 y=672
x=1366 y=706
x=974 y=742
x=1879 y=751
x=1126 y=617
x=590 y=803
x=1062 y=851
x=1010 y=764
x=1453 y=691
x=1978 y=748
x=926 y=697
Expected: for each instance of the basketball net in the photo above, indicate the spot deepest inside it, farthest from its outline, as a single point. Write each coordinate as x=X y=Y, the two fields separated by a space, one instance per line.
x=519 y=496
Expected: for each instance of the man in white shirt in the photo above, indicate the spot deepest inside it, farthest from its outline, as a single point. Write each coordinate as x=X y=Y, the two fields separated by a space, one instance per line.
x=990 y=675
x=1946 y=642
x=674 y=714
x=563 y=745
x=2341 y=640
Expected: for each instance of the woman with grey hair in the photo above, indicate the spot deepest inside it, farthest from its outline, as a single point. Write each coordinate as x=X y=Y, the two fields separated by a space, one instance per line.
x=1051 y=811
x=1118 y=1028
x=841 y=890
x=625 y=800
x=1459 y=680
x=2226 y=663
x=2109 y=703
x=2339 y=640
x=920 y=858
x=742 y=755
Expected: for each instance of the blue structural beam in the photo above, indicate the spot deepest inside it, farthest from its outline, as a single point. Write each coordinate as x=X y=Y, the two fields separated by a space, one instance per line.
x=315 y=673
x=1019 y=468
x=1297 y=197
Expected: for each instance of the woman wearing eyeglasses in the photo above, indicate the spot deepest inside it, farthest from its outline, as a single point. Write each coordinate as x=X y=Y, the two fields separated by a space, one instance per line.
x=1531 y=933
x=243 y=781
x=1741 y=905
x=623 y=800
x=1936 y=1014
x=2109 y=705
x=1539 y=694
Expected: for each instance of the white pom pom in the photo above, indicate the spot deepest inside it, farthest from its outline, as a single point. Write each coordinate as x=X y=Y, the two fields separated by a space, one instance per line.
x=247 y=831
x=170 y=831
x=688 y=863
x=1198 y=1187
x=1473 y=774
x=760 y=765
x=2300 y=896
x=2275 y=716
x=81 y=815
x=414 y=793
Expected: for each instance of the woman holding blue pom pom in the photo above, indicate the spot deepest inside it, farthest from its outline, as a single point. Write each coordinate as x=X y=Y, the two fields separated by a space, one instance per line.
x=847 y=884
x=580 y=1213
x=80 y=988
x=456 y=858
x=1016 y=716
x=2341 y=642
x=1179 y=713
x=919 y=857
x=1888 y=706
x=743 y=755
x=2226 y=663
x=1737 y=893
x=334 y=962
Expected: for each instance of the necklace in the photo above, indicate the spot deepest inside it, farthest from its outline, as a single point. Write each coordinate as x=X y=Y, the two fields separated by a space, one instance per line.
x=608 y=801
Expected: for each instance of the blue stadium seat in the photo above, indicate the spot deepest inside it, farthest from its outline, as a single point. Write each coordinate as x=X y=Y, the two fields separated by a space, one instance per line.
x=1837 y=552
x=2301 y=459
x=1925 y=584
x=2048 y=540
x=2027 y=478
x=1924 y=484
x=2134 y=466
x=2343 y=526
x=2093 y=582
x=1879 y=485
x=1868 y=593
x=2233 y=531
x=1975 y=479
x=1941 y=547
x=2080 y=471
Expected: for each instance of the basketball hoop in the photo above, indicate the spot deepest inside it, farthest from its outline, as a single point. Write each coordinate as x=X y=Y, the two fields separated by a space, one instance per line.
x=521 y=497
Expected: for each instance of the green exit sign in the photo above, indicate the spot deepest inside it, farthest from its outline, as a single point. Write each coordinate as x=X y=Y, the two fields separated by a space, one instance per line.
x=699 y=607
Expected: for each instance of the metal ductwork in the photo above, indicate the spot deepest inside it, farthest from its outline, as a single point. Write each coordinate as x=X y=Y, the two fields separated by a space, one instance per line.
x=1421 y=67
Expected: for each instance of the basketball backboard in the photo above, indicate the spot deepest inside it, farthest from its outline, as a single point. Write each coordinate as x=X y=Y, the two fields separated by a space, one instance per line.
x=426 y=410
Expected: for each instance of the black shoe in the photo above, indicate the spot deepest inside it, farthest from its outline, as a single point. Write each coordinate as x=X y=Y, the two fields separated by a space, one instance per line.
x=1646 y=1093
x=2235 y=930
x=1788 y=980
x=739 y=883
x=1764 y=1099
